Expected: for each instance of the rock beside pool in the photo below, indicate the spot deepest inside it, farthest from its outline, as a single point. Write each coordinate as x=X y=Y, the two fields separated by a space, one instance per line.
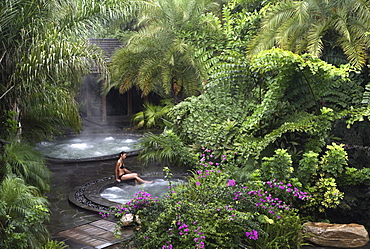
x=128 y=220
x=336 y=235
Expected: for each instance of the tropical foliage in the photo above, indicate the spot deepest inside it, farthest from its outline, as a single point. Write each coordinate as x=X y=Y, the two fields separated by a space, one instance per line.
x=152 y=116
x=318 y=27
x=272 y=118
x=251 y=107
x=26 y=163
x=178 y=42
x=44 y=54
x=22 y=214
x=167 y=147
x=158 y=58
x=267 y=118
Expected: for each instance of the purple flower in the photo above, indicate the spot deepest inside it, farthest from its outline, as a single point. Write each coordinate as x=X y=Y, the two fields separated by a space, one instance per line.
x=231 y=183
x=252 y=235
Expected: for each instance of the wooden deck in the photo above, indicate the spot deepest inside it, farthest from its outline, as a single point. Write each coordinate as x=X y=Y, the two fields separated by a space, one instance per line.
x=98 y=234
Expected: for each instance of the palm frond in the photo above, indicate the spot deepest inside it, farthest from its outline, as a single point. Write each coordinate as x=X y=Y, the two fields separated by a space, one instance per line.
x=27 y=164
x=165 y=62
x=166 y=148
x=300 y=26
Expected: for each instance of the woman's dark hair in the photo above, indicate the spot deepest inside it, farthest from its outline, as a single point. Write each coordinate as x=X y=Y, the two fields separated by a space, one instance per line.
x=121 y=153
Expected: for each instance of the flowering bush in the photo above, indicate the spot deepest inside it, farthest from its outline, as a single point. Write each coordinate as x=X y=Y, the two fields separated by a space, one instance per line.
x=213 y=211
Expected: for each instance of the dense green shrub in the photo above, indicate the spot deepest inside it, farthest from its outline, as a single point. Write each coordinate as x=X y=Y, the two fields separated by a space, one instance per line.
x=277 y=101
x=313 y=174
x=24 y=178
x=22 y=213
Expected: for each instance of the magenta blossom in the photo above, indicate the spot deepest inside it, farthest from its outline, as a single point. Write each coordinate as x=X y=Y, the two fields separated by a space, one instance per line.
x=231 y=183
x=252 y=235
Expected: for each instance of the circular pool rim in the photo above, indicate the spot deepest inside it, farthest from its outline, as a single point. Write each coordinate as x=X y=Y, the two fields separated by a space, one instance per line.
x=88 y=195
x=89 y=159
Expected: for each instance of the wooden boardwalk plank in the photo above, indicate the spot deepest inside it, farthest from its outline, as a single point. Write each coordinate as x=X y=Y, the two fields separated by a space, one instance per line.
x=98 y=234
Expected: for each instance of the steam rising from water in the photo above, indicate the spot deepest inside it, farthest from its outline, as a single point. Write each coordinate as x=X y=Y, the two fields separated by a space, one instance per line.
x=84 y=147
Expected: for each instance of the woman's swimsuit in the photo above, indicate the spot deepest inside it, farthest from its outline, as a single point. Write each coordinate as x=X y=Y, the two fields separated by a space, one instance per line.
x=121 y=167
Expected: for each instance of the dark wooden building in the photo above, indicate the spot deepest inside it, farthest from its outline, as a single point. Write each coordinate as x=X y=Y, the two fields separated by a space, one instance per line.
x=113 y=106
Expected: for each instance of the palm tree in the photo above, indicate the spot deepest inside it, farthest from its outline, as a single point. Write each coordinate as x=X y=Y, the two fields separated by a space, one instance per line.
x=22 y=213
x=313 y=26
x=44 y=54
x=39 y=62
x=158 y=58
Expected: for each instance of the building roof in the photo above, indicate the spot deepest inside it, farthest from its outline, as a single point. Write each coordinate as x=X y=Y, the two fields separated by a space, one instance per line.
x=108 y=45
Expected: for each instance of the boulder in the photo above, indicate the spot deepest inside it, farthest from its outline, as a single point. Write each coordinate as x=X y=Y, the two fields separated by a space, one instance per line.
x=128 y=220
x=336 y=235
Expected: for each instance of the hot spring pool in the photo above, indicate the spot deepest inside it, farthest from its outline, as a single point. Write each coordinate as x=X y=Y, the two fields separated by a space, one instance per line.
x=125 y=192
x=88 y=146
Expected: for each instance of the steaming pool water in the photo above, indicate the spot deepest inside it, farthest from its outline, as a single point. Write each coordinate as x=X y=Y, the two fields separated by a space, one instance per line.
x=88 y=146
x=125 y=192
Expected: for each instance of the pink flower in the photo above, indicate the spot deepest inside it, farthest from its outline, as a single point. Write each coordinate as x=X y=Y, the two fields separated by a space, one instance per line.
x=231 y=183
x=252 y=235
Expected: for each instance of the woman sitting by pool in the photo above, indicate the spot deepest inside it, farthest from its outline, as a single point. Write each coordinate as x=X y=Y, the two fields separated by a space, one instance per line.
x=124 y=174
